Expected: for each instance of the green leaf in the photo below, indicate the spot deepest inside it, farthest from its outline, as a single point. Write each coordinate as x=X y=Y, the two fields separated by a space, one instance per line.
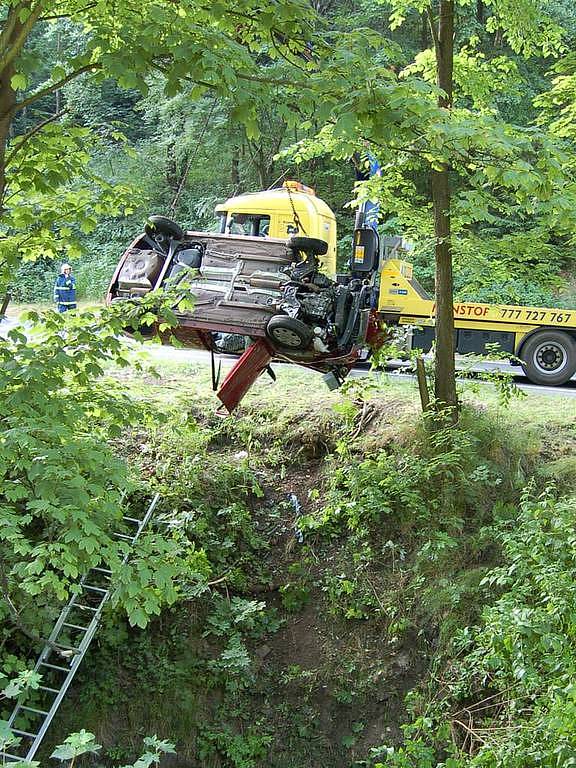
x=18 y=81
x=138 y=618
x=7 y=738
x=58 y=73
x=76 y=744
x=23 y=764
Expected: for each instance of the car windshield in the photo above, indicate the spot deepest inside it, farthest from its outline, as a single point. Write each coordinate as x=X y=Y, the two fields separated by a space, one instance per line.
x=254 y=224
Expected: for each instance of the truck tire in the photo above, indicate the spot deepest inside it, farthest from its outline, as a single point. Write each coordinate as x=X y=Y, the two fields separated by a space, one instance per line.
x=163 y=226
x=549 y=357
x=311 y=245
x=289 y=333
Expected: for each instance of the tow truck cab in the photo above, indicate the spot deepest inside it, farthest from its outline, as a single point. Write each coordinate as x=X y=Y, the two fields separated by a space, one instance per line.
x=290 y=210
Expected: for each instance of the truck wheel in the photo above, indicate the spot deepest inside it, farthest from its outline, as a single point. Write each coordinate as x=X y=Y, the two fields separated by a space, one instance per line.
x=549 y=357
x=161 y=225
x=288 y=332
x=311 y=245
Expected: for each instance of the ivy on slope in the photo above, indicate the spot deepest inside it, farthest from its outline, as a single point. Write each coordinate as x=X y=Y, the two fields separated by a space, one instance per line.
x=508 y=699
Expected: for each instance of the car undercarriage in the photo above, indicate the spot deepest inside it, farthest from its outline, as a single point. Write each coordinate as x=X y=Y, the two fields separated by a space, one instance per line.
x=269 y=292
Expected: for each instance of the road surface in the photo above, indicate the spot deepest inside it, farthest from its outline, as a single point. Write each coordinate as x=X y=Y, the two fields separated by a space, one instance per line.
x=174 y=355
x=199 y=356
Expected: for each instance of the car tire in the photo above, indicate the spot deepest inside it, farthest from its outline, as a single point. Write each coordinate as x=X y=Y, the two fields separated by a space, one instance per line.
x=162 y=225
x=289 y=333
x=549 y=357
x=311 y=245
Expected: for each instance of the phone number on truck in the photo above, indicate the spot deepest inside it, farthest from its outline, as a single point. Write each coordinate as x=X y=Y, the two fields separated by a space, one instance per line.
x=538 y=315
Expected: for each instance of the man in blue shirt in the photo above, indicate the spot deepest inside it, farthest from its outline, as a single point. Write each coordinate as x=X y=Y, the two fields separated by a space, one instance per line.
x=65 y=289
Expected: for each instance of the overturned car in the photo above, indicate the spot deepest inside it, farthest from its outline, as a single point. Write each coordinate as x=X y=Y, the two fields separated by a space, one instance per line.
x=269 y=291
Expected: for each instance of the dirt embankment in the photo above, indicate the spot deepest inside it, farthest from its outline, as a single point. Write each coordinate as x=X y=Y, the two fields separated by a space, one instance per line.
x=362 y=560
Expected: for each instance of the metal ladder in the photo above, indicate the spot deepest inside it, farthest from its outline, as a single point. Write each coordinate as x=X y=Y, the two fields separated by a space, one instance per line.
x=67 y=646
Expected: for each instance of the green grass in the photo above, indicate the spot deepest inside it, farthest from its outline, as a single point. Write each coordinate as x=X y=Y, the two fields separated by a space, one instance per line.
x=15 y=309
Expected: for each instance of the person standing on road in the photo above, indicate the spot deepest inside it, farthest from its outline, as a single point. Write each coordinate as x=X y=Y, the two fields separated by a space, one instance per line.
x=65 y=289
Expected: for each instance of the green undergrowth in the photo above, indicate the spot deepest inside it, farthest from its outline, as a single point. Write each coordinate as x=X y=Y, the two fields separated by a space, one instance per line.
x=373 y=591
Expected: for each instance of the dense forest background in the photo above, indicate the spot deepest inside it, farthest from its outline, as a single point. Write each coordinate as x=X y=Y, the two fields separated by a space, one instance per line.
x=180 y=155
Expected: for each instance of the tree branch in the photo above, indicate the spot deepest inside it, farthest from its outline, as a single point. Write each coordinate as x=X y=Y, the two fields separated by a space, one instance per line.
x=56 y=16
x=55 y=86
x=241 y=76
x=27 y=136
x=12 y=44
x=283 y=56
x=9 y=26
x=269 y=80
x=433 y=30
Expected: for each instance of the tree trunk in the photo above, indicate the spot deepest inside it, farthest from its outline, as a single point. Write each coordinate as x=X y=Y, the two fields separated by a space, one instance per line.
x=235 y=170
x=261 y=167
x=480 y=11
x=7 y=102
x=57 y=95
x=445 y=378
x=13 y=35
x=7 y=98
x=424 y=33
x=171 y=170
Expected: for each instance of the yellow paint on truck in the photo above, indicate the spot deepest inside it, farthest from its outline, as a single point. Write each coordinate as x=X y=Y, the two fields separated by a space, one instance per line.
x=401 y=299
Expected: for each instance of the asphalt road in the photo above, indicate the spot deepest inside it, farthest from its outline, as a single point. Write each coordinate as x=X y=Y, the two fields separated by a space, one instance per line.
x=199 y=356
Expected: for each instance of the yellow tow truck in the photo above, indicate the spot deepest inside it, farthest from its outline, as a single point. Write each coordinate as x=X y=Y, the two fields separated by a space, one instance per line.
x=266 y=283
x=542 y=338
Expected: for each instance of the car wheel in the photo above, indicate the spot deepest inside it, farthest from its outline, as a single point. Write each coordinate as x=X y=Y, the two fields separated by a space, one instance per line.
x=549 y=357
x=311 y=245
x=160 y=225
x=288 y=332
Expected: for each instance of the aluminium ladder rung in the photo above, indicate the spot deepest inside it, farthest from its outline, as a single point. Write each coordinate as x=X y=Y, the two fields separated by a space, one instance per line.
x=47 y=688
x=85 y=607
x=36 y=711
x=13 y=757
x=107 y=571
x=18 y=732
x=54 y=666
x=75 y=626
x=92 y=588
x=124 y=536
x=65 y=647
x=132 y=520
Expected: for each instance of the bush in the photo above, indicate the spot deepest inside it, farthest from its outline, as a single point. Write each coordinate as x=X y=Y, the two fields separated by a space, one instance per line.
x=509 y=701
x=34 y=281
